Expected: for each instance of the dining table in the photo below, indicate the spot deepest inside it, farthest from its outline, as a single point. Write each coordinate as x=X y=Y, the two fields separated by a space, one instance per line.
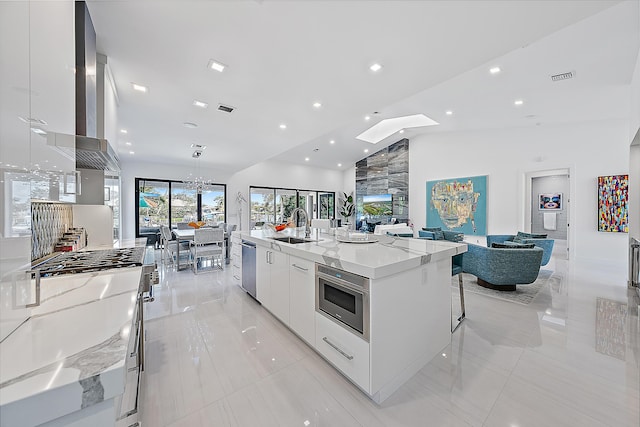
x=186 y=235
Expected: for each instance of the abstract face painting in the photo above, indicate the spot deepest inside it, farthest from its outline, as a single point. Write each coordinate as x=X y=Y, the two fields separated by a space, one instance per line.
x=454 y=204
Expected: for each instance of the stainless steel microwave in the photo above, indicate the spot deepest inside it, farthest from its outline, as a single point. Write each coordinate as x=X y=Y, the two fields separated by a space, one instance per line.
x=344 y=298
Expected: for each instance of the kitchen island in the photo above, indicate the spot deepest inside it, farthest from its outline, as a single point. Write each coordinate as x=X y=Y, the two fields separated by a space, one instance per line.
x=67 y=364
x=407 y=308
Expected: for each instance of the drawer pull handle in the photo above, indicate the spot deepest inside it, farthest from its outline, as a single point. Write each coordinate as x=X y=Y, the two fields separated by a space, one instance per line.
x=35 y=273
x=236 y=277
x=300 y=268
x=338 y=349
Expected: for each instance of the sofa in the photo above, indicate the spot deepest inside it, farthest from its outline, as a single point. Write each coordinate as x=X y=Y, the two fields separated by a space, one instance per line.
x=502 y=268
x=540 y=240
x=436 y=233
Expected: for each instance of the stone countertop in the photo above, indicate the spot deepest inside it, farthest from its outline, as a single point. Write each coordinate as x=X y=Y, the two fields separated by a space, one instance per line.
x=71 y=352
x=388 y=256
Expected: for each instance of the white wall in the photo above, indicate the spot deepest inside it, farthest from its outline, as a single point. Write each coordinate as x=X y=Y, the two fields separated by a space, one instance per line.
x=506 y=155
x=272 y=173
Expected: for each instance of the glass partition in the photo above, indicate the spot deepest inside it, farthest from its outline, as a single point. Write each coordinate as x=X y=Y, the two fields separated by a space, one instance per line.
x=285 y=204
x=213 y=204
x=184 y=204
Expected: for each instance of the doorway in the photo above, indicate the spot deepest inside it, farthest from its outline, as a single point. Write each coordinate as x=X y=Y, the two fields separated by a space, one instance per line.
x=548 y=206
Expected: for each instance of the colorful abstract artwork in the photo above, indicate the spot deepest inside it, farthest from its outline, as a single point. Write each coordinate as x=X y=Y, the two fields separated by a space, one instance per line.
x=550 y=202
x=613 y=197
x=458 y=204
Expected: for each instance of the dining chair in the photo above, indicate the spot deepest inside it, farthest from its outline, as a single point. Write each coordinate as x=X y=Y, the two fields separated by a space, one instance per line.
x=207 y=243
x=170 y=246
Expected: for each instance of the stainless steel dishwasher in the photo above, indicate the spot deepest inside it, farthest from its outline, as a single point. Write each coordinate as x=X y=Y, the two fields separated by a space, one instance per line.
x=249 y=267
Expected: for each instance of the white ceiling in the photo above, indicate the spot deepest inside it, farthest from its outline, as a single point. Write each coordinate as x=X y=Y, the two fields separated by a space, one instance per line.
x=283 y=56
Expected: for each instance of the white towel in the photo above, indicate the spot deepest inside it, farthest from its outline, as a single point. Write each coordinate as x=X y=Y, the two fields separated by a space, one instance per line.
x=549 y=220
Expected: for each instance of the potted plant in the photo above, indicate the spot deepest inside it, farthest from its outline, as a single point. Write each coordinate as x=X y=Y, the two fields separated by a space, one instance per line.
x=347 y=208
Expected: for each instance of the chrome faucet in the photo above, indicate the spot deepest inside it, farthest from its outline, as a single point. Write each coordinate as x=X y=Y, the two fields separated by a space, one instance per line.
x=307 y=228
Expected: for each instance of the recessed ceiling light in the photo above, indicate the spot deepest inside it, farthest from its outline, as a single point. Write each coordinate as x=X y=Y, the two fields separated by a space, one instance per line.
x=140 y=88
x=339 y=165
x=332 y=142
x=190 y=125
x=127 y=143
x=124 y=131
x=132 y=152
x=217 y=66
x=366 y=150
x=367 y=118
x=317 y=105
x=200 y=104
x=494 y=70
x=388 y=127
x=518 y=102
x=448 y=112
x=375 y=67
x=401 y=131
x=306 y=159
x=283 y=126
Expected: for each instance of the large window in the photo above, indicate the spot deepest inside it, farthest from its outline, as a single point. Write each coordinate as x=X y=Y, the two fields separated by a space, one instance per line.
x=275 y=205
x=165 y=202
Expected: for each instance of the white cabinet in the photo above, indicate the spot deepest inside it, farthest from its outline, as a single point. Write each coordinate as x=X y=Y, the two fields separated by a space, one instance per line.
x=52 y=111
x=263 y=276
x=344 y=350
x=302 y=298
x=272 y=282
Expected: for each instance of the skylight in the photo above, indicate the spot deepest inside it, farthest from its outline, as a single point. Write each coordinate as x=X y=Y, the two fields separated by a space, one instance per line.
x=388 y=127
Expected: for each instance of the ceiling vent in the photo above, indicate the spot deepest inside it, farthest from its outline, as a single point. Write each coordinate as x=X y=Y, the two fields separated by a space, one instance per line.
x=562 y=76
x=225 y=108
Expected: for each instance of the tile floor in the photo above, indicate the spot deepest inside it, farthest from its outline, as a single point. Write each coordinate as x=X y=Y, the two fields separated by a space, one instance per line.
x=215 y=357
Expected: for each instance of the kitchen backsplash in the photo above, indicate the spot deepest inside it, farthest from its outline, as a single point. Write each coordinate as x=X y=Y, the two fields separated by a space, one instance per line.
x=48 y=223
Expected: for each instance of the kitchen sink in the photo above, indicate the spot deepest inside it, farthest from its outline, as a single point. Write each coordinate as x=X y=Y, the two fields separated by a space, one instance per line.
x=292 y=240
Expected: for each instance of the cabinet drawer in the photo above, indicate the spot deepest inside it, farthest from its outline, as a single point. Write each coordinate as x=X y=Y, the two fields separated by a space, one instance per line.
x=344 y=350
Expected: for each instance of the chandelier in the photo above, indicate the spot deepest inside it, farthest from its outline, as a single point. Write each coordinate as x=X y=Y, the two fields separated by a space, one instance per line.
x=195 y=181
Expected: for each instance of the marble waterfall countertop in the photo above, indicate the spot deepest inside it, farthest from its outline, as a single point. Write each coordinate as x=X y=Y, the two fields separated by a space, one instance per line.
x=388 y=256
x=71 y=352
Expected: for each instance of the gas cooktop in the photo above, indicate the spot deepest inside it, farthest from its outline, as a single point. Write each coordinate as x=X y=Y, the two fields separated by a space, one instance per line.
x=83 y=262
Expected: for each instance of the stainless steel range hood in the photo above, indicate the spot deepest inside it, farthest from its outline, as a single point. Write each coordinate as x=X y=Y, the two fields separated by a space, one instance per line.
x=92 y=151
x=89 y=153
x=95 y=153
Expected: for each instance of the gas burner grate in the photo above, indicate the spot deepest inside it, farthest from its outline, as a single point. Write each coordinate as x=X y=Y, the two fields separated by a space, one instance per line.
x=89 y=261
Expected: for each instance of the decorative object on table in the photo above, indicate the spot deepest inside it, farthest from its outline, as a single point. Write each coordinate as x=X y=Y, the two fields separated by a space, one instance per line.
x=458 y=204
x=347 y=208
x=550 y=201
x=197 y=224
x=280 y=227
x=613 y=199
